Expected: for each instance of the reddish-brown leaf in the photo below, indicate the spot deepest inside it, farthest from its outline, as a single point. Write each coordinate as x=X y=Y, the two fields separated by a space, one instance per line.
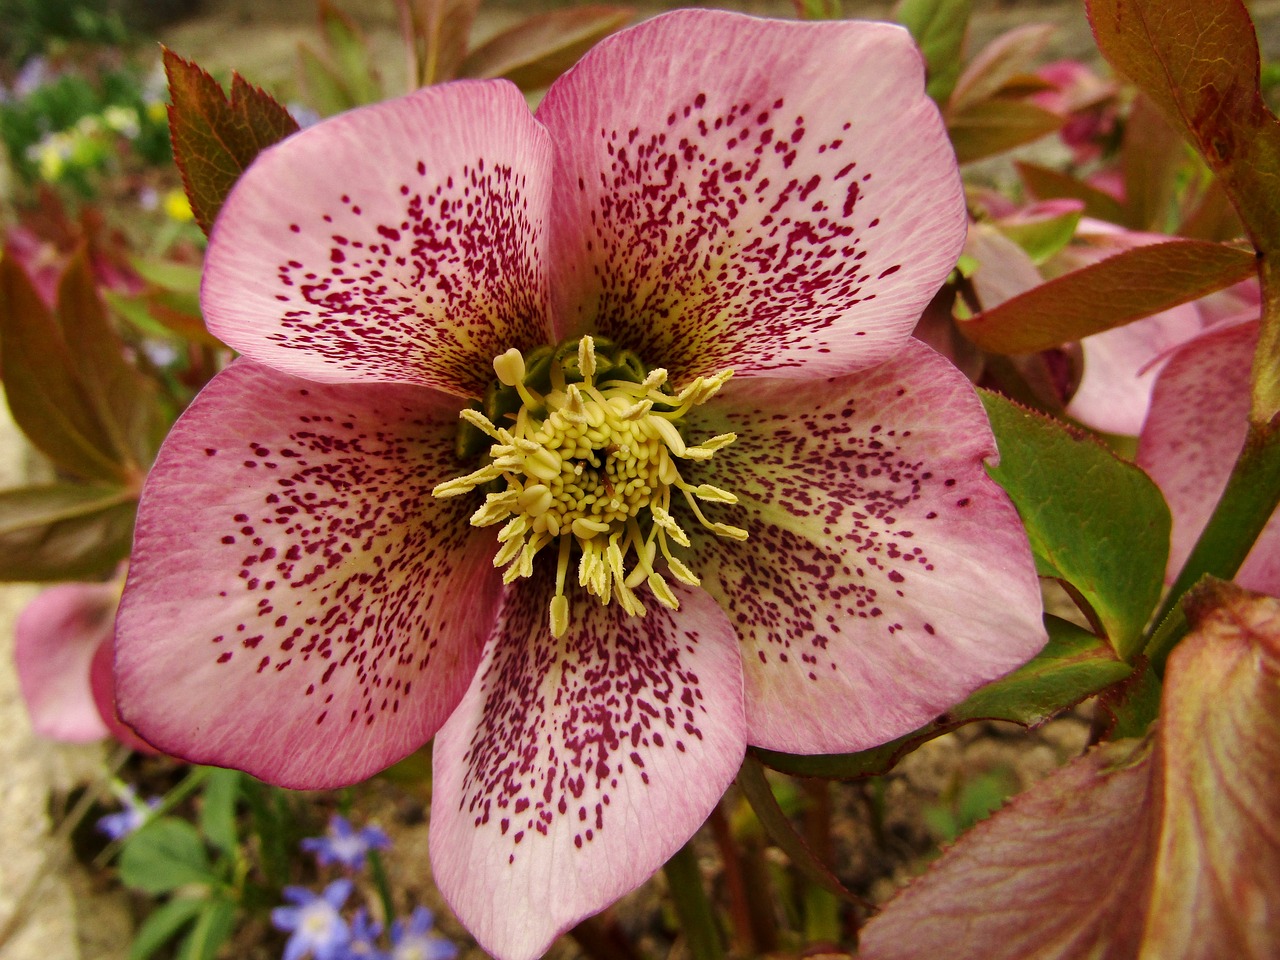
x=1132 y=284
x=216 y=137
x=989 y=127
x=1046 y=184
x=1162 y=849
x=540 y=48
x=48 y=398
x=999 y=62
x=1198 y=62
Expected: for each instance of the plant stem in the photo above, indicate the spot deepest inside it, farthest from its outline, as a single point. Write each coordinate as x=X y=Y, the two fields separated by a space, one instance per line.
x=1246 y=505
x=379 y=874
x=744 y=938
x=601 y=938
x=694 y=909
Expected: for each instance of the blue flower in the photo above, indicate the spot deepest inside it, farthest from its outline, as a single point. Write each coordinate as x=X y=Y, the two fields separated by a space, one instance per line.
x=135 y=813
x=416 y=941
x=364 y=937
x=345 y=845
x=317 y=927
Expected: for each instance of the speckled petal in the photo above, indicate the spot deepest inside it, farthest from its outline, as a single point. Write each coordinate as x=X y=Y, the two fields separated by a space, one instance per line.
x=775 y=196
x=400 y=242
x=1192 y=437
x=298 y=604
x=885 y=576
x=573 y=769
x=54 y=642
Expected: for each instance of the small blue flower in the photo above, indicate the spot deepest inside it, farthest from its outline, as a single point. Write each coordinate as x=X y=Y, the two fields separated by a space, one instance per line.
x=417 y=941
x=345 y=845
x=135 y=813
x=317 y=927
x=364 y=939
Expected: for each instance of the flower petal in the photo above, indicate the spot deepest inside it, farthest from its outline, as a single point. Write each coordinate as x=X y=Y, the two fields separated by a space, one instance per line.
x=55 y=638
x=102 y=682
x=293 y=603
x=399 y=242
x=1192 y=437
x=885 y=575
x=775 y=196
x=574 y=768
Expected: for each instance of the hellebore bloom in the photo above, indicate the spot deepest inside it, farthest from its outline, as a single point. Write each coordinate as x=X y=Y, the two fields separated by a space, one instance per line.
x=62 y=648
x=1197 y=426
x=344 y=844
x=810 y=557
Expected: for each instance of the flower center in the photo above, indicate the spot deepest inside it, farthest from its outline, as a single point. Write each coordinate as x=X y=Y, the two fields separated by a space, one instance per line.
x=588 y=461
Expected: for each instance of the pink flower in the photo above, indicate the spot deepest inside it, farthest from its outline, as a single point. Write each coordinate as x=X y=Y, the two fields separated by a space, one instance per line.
x=808 y=557
x=63 y=644
x=1192 y=437
x=1120 y=365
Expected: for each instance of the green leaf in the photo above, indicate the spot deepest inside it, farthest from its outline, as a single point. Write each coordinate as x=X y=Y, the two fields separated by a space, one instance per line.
x=165 y=854
x=999 y=62
x=215 y=137
x=939 y=28
x=162 y=925
x=1045 y=184
x=818 y=9
x=1073 y=665
x=540 y=48
x=218 y=810
x=1094 y=521
x=48 y=398
x=212 y=928
x=325 y=90
x=1132 y=284
x=1043 y=237
x=351 y=54
x=990 y=127
x=64 y=531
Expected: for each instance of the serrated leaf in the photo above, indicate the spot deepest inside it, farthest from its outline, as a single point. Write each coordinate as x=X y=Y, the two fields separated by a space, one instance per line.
x=1073 y=665
x=1094 y=521
x=990 y=127
x=1045 y=184
x=162 y=925
x=999 y=62
x=64 y=531
x=1160 y=849
x=215 y=137
x=540 y=48
x=939 y=28
x=218 y=810
x=165 y=854
x=1132 y=284
x=211 y=930
x=42 y=379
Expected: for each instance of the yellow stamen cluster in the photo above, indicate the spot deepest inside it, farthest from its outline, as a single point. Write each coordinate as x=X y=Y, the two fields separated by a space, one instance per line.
x=592 y=465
